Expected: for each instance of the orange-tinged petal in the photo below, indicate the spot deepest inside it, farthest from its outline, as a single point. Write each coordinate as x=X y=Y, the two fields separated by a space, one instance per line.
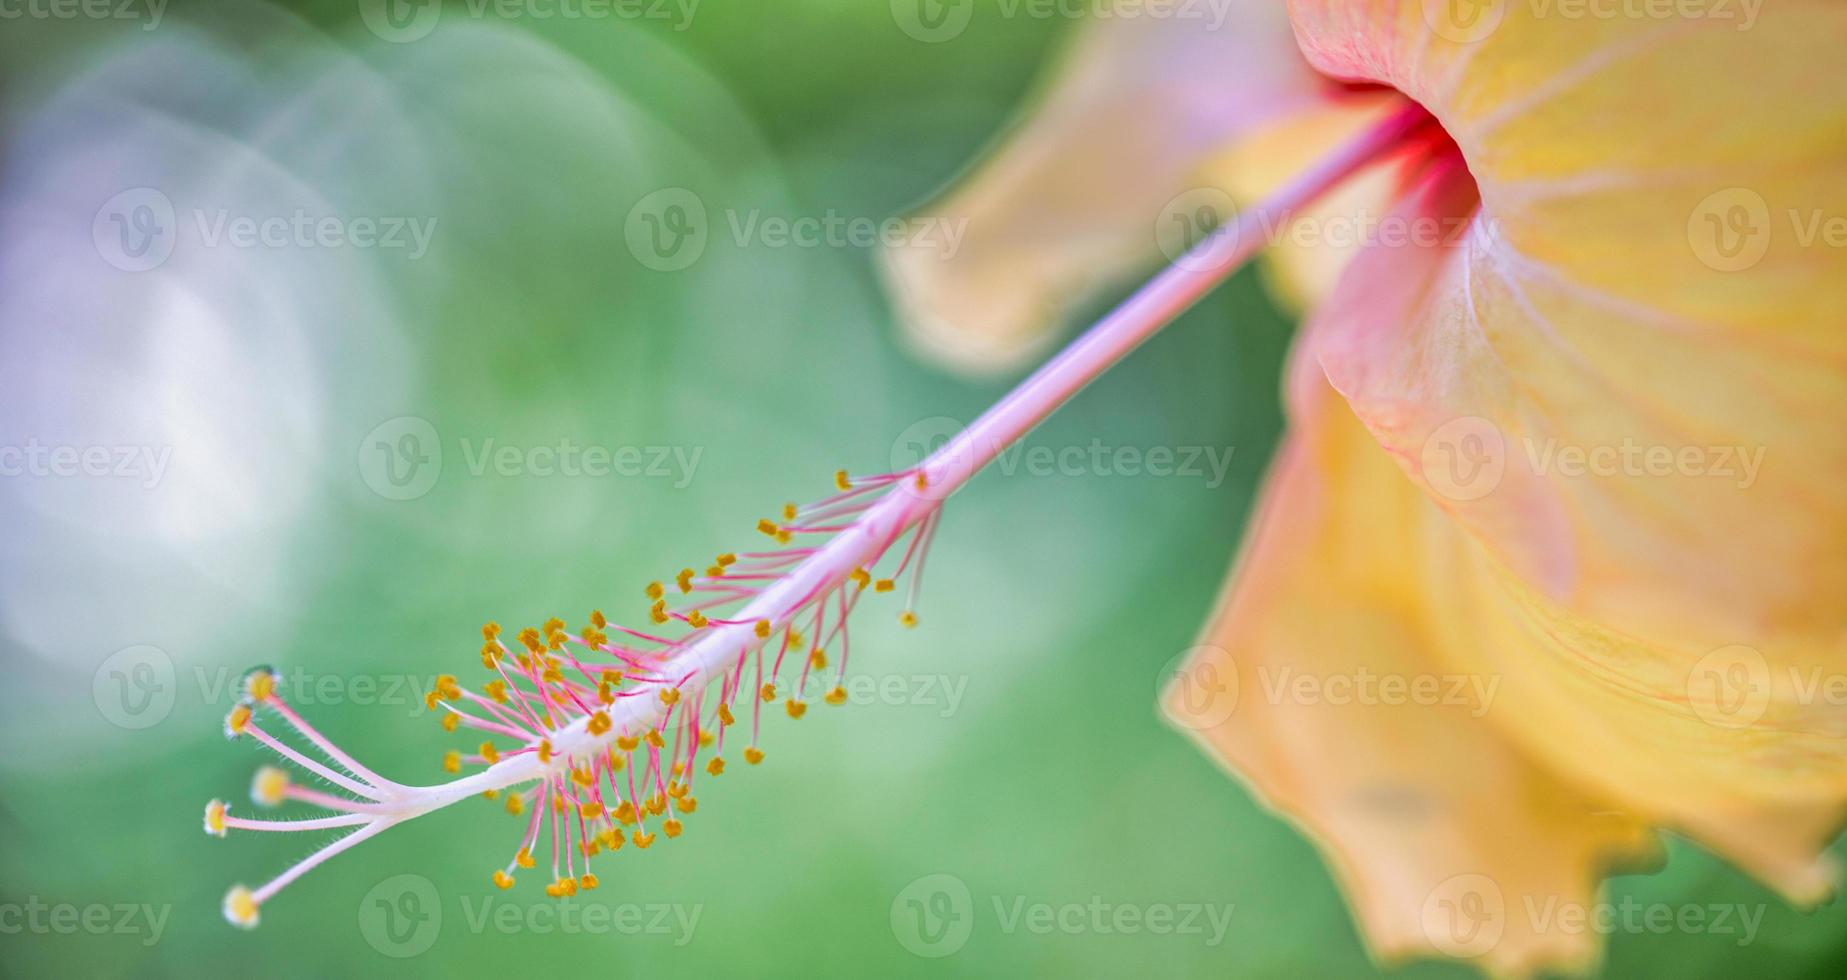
x=1638 y=424
x=1443 y=833
x=1074 y=200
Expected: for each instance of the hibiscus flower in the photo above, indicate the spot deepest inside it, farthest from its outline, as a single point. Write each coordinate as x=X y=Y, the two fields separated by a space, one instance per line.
x=1564 y=428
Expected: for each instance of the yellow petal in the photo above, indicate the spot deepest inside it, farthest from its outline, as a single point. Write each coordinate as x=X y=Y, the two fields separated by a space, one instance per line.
x=1101 y=177
x=1638 y=424
x=1327 y=682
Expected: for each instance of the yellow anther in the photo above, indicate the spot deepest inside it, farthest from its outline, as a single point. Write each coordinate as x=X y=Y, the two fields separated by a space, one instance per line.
x=589 y=811
x=237 y=721
x=670 y=696
x=672 y=827
x=716 y=765
x=724 y=715
x=768 y=527
x=490 y=794
x=627 y=743
x=523 y=858
x=451 y=721
x=861 y=577
x=624 y=811
x=583 y=777
x=923 y=482
x=715 y=571
x=491 y=631
x=269 y=787
x=653 y=737
x=260 y=684
x=643 y=840
x=611 y=838
x=769 y=692
x=545 y=751
x=588 y=881
x=705 y=738
x=837 y=696
x=502 y=880
x=684 y=579
x=497 y=689
x=656 y=590
x=696 y=619
x=817 y=658
x=515 y=805
x=597 y=619
x=617 y=763
x=657 y=804
x=763 y=628
x=782 y=537
x=677 y=789
x=686 y=804
x=795 y=638
x=452 y=761
x=599 y=723
x=240 y=907
x=908 y=619
x=795 y=708
x=753 y=755
x=788 y=512
x=841 y=481
x=884 y=585
x=658 y=611
x=490 y=656
x=429 y=701
x=214 y=818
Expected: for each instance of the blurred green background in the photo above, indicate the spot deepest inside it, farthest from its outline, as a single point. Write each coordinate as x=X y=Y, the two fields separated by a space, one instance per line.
x=1052 y=606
